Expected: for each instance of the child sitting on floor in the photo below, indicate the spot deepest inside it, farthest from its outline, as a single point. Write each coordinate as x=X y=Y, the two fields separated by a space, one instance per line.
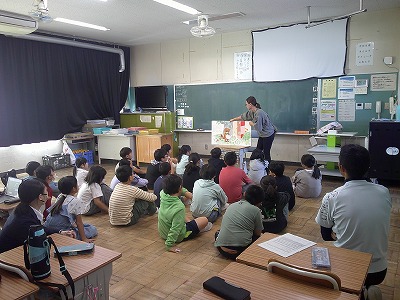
x=307 y=182
x=216 y=162
x=274 y=206
x=137 y=180
x=81 y=169
x=241 y=224
x=283 y=183
x=153 y=171
x=257 y=166
x=129 y=203
x=192 y=172
x=183 y=159
x=94 y=193
x=232 y=179
x=209 y=199
x=173 y=225
x=165 y=169
x=126 y=153
x=66 y=213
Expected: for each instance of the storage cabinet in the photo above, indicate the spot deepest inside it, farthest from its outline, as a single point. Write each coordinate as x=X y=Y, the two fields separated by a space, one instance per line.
x=384 y=145
x=147 y=144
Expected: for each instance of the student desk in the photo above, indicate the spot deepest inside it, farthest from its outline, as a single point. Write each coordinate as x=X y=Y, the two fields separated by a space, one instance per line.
x=5 y=209
x=88 y=271
x=12 y=286
x=265 y=285
x=350 y=266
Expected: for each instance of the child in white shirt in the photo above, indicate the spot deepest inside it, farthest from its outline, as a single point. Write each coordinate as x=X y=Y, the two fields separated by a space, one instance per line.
x=81 y=169
x=183 y=159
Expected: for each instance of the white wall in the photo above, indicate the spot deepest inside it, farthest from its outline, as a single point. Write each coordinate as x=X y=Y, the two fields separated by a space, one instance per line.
x=16 y=157
x=197 y=60
x=205 y=60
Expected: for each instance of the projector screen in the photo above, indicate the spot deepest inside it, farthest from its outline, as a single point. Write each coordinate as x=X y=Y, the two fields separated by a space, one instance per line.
x=295 y=53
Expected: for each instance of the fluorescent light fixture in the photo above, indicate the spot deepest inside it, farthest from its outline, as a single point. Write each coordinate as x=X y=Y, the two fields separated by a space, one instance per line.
x=83 y=24
x=179 y=6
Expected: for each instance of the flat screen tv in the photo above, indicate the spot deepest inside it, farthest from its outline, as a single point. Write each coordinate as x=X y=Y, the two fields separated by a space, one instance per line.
x=151 y=97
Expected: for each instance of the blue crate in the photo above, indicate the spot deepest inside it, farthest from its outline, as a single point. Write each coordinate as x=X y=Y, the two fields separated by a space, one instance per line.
x=88 y=155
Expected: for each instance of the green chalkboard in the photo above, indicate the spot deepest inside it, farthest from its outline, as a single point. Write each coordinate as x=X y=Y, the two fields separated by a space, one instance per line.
x=289 y=104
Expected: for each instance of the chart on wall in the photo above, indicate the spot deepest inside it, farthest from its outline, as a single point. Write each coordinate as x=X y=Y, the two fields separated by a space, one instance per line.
x=236 y=133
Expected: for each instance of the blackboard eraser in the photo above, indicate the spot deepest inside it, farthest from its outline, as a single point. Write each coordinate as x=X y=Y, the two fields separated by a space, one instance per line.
x=200 y=129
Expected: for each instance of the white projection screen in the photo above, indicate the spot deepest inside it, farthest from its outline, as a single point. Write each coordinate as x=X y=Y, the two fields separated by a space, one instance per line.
x=295 y=53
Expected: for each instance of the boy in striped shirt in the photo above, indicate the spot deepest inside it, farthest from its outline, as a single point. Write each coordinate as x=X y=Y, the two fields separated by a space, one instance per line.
x=129 y=203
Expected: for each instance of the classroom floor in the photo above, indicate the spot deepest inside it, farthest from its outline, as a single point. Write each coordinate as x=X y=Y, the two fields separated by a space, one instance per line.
x=147 y=271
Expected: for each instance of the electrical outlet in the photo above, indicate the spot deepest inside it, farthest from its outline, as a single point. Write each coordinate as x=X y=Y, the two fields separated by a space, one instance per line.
x=206 y=146
x=386 y=105
x=368 y=106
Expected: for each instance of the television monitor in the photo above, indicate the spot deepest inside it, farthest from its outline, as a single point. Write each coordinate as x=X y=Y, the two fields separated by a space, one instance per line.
x=151 y=97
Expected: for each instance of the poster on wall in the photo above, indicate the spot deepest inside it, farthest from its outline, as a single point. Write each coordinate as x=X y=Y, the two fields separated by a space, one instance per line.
x=243 y=65
x=328 y=88
x=328 y=110
x=383 y=82
x=347 y=110
x=185 y=122
x=347 y=81
x=236 y=133
x=346 y=93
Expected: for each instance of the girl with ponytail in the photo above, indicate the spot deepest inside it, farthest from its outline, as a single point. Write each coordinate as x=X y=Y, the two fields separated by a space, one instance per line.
x=307 y=181
x=192 y=171
x=275 y=208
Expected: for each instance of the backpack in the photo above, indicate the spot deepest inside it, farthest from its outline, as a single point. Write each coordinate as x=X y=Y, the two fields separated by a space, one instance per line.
x=37 y=259
x=10 y=173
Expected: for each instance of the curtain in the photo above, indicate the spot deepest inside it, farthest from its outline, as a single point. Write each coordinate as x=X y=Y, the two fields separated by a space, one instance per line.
x=48 y=90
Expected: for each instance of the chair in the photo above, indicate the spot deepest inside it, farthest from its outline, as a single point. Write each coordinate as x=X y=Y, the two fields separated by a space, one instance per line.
x=327 y=279
x=22 y=272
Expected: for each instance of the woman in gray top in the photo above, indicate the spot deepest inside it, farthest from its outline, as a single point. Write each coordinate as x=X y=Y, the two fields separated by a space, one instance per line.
x=262 y=123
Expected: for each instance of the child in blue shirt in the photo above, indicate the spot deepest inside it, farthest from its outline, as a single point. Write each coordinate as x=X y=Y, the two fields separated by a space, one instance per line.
x=165 y=169
x=66 y=213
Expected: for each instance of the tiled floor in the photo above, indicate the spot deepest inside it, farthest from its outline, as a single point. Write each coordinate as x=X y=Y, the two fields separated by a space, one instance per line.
x=146 y=271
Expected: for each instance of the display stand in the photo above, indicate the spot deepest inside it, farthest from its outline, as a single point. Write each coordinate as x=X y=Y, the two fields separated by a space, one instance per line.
x=326 y=155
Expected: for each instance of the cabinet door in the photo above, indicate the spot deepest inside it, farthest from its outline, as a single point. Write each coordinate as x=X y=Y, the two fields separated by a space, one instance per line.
x=166 y=139
x=143 y=149
x=154 y=144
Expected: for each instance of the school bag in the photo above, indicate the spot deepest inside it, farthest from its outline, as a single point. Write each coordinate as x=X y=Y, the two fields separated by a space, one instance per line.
x=37 y=259
x=10 y=173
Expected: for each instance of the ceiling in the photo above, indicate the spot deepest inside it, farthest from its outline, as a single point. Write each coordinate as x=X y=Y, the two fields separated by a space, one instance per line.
x=136 y=22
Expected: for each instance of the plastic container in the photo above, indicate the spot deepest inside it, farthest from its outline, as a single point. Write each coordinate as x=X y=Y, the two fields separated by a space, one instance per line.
x=57 y=161
x=87 y=154
x=100 y=130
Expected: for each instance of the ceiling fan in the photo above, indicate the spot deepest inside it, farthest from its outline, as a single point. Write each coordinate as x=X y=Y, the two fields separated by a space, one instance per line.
x=203 y=29
x=40 y=11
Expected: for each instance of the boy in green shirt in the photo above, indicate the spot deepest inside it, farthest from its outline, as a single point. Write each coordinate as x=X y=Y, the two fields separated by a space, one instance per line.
x=173 y=225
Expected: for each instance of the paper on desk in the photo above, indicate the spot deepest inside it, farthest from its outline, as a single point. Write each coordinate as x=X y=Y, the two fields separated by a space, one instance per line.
x=286 y=245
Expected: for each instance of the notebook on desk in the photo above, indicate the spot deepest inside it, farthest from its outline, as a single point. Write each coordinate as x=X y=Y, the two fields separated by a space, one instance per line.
x=11 y=191
x=75 y=249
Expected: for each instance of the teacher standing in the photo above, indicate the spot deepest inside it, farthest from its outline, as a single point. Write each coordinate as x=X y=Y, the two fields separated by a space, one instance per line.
x=262 y=123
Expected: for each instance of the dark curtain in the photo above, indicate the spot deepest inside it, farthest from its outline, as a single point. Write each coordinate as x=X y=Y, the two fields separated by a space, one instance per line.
x=48 y=90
